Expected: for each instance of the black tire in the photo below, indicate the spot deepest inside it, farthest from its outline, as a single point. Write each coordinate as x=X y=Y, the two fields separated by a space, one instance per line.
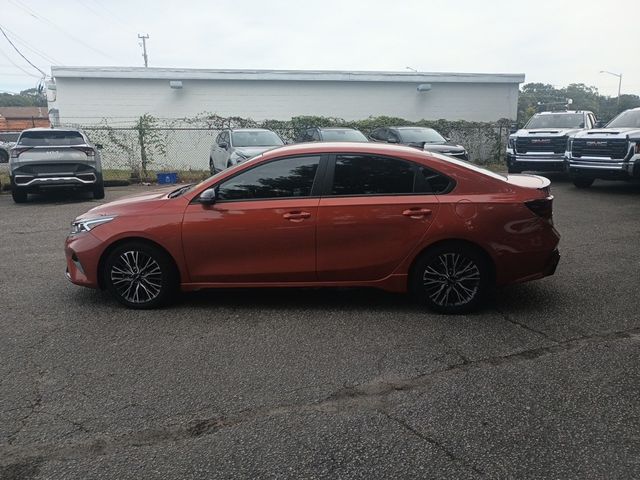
x=459 y=292
x=4 y=156
x=581 y=182
x=123 y=270
x=511 y=169
x=19 y=195
x=98 y=191
x=212 y=167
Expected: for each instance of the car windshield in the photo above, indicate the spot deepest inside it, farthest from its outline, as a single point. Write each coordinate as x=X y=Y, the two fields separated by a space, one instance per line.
x=556 y=120
x=51 y=138
x=628 y=119
x=419 y=135
x=256 y=139
x=343 y=136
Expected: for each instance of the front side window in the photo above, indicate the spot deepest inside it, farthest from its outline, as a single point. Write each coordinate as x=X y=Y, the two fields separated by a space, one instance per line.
x=372 y=175
x=286 y=178
x=420 y=134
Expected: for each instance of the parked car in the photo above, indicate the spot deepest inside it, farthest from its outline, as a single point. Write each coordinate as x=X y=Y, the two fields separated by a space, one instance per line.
x=332 y=134
x=541 y=144
x=54 y=158
x=423 y=138
x=324 y=215
x=611 y=153
x=233 y=146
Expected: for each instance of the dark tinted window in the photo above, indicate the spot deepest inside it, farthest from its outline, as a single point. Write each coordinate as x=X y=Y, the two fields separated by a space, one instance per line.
x=433 y=182
x=371 y=175
x=54 y=138
x=379 y=134
x=290 y=177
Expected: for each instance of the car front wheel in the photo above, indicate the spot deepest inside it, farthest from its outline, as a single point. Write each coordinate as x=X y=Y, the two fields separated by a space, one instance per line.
x=140 y=276
x=452 y=279
x=19 y=195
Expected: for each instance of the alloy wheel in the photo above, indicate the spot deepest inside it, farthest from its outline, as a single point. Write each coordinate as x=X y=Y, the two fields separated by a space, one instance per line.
x=451 y=280
x=136 y=276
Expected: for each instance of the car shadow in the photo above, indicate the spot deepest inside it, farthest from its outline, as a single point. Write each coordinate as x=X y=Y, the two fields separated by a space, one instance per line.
x=60 y=196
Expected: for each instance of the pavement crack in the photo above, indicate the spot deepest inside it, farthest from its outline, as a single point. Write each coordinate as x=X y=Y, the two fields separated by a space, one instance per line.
x=510 y=319
x=372 y=396
x=432 y=441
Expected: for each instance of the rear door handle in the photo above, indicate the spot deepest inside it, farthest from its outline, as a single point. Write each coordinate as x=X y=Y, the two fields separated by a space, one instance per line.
x=296 y=216
x=416 y=212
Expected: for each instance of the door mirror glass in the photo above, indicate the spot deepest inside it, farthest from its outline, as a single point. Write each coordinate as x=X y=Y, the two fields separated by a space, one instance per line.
x=224 y=145
x=208 y=197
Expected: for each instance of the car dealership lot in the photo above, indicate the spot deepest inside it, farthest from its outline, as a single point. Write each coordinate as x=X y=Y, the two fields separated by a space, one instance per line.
x=324 y=384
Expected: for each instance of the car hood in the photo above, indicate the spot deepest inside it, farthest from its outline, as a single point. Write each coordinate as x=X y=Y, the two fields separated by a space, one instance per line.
x=132 y=204
x=611 y=133
x=546 y=132
x=250 y=152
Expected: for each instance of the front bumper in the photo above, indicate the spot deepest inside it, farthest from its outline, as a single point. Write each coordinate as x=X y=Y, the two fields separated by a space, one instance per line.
x=82 y=252
x=595 y=167
x=537 y=163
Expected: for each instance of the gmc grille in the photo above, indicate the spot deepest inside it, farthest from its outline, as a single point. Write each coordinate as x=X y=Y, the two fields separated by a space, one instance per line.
x=541 y=144
x=609 y=148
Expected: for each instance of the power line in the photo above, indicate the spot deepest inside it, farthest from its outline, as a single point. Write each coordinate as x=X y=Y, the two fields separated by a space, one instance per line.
x=43 y=19
x=19 y=52
x=31 y=48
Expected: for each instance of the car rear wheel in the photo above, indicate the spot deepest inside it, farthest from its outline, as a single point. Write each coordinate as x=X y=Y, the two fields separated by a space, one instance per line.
x=212 y=167
x=452 y=278
x=19 y=195
x=140 y=276
x=583 y=182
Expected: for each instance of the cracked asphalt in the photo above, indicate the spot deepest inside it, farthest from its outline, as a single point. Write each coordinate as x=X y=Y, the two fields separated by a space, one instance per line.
x=543 y=383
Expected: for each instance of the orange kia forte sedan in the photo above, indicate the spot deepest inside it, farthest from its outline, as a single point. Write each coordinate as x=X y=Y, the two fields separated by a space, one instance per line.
x=324 y=215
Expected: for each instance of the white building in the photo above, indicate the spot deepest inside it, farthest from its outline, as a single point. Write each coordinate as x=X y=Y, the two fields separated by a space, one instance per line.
x=88 y=95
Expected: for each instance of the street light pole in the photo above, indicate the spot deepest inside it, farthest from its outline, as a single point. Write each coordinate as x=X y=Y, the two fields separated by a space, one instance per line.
x=619 y=75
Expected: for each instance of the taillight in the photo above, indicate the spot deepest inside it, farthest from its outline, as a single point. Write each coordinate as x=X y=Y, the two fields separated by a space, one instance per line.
x=543 y=207
x=16 y=151
x=88 y=150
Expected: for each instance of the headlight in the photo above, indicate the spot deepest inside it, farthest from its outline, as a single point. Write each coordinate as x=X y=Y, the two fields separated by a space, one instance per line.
x=512 y=143
x=237 y=157
x=87 y=224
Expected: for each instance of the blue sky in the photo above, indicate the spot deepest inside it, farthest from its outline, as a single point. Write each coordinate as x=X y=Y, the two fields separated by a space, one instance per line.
x=558 y=42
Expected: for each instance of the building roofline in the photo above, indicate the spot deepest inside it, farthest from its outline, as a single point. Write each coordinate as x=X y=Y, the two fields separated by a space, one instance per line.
x=292 y=75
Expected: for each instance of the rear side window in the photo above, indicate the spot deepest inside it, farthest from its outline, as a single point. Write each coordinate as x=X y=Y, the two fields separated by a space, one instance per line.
x=53 y=138
x=286 y=178
x=372 y=175
x=429 y=181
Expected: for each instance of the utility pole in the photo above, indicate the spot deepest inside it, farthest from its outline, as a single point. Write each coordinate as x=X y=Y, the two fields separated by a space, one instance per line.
x=619 y=75
x=144 y=48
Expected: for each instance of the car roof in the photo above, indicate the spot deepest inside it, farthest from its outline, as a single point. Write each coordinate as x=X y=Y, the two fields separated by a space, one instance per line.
x=337 y=128
x=407 y=127
x=50 y=129
x=250 y=130
x=563 y=112
x=343 y=147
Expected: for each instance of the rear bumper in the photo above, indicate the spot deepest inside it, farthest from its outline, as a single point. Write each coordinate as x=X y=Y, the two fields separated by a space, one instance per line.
x=537 y=163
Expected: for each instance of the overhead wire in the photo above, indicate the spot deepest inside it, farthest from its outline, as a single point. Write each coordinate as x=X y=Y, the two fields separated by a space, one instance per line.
x=31 y=48
x=43 y=19
x=20 y=53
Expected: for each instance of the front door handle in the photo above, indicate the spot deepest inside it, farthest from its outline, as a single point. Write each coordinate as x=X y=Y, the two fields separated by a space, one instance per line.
x=416 y=212
x=296 y=216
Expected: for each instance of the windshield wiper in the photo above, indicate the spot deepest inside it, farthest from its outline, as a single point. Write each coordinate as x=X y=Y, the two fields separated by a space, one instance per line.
x=180 y=191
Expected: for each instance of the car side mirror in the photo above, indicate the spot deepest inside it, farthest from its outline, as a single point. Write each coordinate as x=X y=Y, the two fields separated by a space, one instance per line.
x=447 y=139
x=224 y=145
x=599 y=124
x=209 y=196
x=99 y=146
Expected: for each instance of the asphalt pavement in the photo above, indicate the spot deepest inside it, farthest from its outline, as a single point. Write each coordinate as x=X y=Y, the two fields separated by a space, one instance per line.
x=542 y=383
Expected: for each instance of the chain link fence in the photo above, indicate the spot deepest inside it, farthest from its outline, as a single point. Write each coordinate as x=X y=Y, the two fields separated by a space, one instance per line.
x=135 y=153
